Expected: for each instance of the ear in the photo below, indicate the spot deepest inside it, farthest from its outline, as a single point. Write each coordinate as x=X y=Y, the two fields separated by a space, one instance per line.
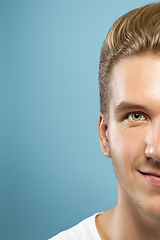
x=102 y=129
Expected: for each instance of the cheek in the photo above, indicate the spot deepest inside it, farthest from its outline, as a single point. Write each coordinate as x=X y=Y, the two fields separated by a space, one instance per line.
x=127 y=147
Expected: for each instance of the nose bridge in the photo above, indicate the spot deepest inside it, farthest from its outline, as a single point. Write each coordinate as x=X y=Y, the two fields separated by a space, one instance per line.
x=153 y=140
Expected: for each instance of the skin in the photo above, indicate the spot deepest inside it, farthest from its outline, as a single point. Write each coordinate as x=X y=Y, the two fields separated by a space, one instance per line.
x=131 y=138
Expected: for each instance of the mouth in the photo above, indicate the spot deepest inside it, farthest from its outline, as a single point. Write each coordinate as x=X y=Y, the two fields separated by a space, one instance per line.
x=152 y=177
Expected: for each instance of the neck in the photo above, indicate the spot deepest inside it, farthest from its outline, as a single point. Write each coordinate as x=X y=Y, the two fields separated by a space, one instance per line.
x=127 y=221
x=131 y=221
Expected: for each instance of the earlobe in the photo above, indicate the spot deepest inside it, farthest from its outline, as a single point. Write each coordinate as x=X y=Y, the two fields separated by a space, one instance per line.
x=102 y=129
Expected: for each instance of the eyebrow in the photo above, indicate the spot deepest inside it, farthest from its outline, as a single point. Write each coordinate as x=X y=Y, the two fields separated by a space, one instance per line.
x=125 y=106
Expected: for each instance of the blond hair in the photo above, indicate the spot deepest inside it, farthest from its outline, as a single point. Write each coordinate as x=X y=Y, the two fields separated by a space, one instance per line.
x=136 y=32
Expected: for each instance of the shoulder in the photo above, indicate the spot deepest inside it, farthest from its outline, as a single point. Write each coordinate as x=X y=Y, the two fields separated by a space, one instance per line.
x=85 y=230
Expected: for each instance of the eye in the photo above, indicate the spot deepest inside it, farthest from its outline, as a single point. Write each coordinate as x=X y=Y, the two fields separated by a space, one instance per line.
x=136 y=116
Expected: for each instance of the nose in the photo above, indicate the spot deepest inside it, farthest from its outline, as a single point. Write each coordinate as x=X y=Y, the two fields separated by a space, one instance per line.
x=153 y=142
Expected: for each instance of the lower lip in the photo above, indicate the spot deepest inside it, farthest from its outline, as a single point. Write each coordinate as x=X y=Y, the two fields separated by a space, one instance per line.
x=152 y=179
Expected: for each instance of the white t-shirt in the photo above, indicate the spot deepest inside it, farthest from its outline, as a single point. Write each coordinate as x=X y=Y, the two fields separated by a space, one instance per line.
x=85 y=230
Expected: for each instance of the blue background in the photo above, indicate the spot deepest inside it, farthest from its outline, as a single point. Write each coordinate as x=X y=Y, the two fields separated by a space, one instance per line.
x=52 y=171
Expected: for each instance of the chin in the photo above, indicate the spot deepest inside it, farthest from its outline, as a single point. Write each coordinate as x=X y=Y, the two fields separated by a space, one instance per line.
x=151 y=209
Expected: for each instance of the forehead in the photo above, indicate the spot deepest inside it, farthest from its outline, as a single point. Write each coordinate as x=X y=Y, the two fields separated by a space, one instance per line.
x=136 y=79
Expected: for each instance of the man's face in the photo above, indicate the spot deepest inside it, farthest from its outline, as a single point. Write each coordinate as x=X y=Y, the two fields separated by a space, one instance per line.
x=132 y=136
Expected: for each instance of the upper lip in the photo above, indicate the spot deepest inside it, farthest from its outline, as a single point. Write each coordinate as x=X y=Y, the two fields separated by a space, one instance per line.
x=150 y=173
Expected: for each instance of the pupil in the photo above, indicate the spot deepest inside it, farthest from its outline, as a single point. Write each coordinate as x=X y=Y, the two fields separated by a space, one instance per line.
x=136 y=115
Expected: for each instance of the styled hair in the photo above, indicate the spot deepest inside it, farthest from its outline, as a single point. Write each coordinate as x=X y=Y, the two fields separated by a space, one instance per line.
x=136 y=32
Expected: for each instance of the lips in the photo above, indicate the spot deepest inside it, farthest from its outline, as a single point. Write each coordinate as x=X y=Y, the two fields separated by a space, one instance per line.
x=152 y=177
x=151 y=173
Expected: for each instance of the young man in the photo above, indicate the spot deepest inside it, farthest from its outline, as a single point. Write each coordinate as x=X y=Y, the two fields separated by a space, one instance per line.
x=129 y=129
